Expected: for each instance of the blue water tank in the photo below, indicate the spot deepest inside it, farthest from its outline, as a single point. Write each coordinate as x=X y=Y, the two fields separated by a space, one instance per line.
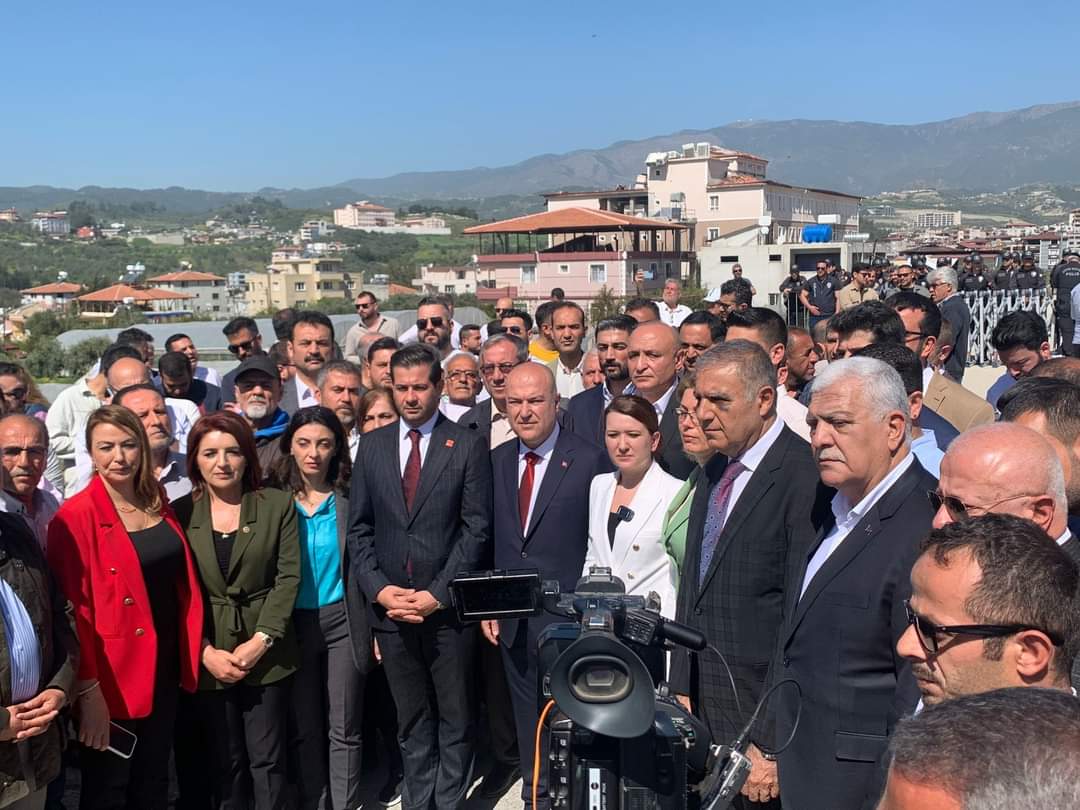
x=817 y=233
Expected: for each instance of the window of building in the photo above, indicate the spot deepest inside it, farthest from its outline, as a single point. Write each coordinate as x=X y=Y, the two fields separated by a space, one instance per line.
x=775 y=257
x=714 y=202
x=598 y=273
x=528 y=274
x=300 y=286
x=350 y=285
x=667 y=269
x=449 y=288
x=215 y=296
x=731 y=259
x=714 y=234
x=564 y=269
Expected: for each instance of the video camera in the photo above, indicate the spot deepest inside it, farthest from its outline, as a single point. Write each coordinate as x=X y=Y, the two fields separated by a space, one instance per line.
x=616 y=736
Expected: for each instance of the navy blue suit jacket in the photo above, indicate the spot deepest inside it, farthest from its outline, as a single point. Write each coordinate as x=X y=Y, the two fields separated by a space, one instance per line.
x=558 y=533
x=587 y=411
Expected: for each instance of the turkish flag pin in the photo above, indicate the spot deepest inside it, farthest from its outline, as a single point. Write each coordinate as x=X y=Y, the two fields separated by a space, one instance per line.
x=449 y=442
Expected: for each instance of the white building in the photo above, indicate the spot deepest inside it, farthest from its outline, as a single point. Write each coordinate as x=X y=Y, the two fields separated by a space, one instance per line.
x=51 y=222
x=57 y=295
x=455 y=280
x=938 y=219
x=315 y=229
x=207 y=293
x=364 y=214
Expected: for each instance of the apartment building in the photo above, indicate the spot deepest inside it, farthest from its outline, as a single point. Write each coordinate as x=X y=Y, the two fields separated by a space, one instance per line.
x=207 y=292
x=9 y=215
x=364 y=214
x=315 y=229
x=54 y=223
x=938 y=219
x=455 y=280
x=298 y=282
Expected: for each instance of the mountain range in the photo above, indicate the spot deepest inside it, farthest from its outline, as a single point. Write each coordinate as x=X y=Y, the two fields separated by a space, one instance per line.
x=983 y=151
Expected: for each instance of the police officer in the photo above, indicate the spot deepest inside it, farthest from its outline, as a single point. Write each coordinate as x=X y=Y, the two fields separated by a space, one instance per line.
x=790 y=288
x=976 y=278
x=1062 y=280
x=1029 y=276
x=1005 y=276
x=818 y=294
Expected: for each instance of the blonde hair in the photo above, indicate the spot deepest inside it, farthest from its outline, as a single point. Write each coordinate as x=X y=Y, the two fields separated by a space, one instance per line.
x=147 y=489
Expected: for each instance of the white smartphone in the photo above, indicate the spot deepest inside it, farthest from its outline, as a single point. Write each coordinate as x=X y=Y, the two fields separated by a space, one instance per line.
x=121 y=741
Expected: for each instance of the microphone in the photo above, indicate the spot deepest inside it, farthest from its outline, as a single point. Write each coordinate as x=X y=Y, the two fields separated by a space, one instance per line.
x=625 y=514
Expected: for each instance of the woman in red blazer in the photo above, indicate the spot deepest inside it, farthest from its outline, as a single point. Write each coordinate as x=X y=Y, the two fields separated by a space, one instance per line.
x=122 y=559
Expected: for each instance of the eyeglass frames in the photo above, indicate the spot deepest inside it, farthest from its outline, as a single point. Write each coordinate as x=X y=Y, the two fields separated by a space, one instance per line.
x=929 y=633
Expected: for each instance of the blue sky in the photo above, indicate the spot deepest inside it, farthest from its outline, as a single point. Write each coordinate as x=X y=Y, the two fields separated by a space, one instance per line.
x=238 y=95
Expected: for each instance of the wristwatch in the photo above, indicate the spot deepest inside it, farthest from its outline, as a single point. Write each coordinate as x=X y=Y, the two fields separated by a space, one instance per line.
x=267 y=640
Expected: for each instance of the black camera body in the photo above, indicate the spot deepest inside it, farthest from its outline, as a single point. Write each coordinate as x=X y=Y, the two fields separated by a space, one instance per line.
x=616 y=737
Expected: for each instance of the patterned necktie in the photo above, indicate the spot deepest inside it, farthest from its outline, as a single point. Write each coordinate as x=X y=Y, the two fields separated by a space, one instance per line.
x=714 y=520
x=525 y=489
x=410 y=480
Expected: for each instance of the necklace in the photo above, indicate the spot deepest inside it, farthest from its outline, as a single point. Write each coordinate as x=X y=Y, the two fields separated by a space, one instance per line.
x=127 y=510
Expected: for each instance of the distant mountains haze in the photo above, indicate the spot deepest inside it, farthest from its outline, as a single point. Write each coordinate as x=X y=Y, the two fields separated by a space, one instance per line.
x=981 y=151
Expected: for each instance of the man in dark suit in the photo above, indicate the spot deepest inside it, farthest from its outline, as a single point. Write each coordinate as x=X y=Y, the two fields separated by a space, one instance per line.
x=847 y=609
x=421 y=513
x=541 y=522
x=498 y=356
x=311 y=346
x=750 y=517
x=945 y=290
x=653 y=357
x=587 y=408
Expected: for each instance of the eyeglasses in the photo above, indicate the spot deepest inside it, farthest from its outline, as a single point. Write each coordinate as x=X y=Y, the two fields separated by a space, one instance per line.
x=489 y=368
x=463 y=375
x=246 y=346
x=514 y=330
x=914 y=335
x=958 y=510
x=682 y=413
x=928 y=632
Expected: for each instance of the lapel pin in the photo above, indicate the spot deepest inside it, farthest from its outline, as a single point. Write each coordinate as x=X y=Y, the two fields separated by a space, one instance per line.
x=565 y=465
x=449 y=442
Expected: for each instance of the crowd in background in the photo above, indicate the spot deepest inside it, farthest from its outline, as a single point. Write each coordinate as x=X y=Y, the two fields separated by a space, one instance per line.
x=248 y=574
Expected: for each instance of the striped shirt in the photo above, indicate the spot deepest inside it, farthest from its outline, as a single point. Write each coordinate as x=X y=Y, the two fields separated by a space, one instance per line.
x=22 y=645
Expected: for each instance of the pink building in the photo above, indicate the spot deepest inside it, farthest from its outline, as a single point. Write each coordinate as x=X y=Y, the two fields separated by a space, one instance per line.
x=581 y=250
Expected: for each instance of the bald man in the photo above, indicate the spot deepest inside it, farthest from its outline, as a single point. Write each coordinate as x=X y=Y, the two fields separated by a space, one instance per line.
x=1008 y=469
x=541 y=521
x=653 y=358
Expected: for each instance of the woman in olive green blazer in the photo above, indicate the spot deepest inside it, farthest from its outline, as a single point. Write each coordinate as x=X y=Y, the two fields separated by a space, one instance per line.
x=673 y=532
x=246 y=547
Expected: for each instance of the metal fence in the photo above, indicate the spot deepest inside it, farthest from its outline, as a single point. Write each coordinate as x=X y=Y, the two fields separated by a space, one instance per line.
x=988 y=307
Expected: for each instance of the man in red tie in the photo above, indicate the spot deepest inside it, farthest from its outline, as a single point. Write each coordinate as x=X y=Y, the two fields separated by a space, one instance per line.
x=541 y=522
x=419 y=514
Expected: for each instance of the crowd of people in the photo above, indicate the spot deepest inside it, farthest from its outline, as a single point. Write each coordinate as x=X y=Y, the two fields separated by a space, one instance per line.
x=248 y=575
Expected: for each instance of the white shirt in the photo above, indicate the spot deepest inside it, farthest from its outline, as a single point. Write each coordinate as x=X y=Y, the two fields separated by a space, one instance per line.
x=354 y=443
x=452 y=411
x=568 y=380
x=1064 y=537
x=927 y=451
x=1075 y=312
x=405 y=443
x=750 y=460
x=673 y=317
x=848 y=517
x=659 y=406
x=305 y=397
x=173 y=476
x=208 y=375
x=792 y=413
x=544 y=451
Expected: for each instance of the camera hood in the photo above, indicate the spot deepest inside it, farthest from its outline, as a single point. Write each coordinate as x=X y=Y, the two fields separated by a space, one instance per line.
x=601 y=684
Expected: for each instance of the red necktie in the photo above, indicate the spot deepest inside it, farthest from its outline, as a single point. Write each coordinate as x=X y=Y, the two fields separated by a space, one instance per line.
x=410 y=480
x=525 y=489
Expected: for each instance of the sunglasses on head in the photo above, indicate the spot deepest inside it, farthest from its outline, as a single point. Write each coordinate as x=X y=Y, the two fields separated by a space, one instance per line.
x=929 y=633
x=436 y=322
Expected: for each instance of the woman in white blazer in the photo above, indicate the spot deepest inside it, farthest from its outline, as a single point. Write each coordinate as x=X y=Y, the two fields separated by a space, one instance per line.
x=627 y=507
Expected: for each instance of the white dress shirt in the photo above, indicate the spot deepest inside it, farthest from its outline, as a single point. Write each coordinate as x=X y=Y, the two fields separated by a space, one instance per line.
x=208 y=375
x=354 y=443
x=1064 y=537
x=659 y=406
x=568 y=380
x=673 y=317
x=750 y=460
x=848 y=517
x=405 y=443
x=546 y=448
x=305 y=397
x=792 y=413
x=927 y=451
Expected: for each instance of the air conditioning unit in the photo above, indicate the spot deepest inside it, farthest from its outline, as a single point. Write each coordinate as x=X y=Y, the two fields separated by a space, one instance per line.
x=688 y=150
x=702 y=149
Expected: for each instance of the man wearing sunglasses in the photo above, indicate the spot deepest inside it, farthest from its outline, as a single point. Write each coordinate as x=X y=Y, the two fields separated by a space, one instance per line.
x=975 y=625
x=371 y=321
x=859 y=290
x=1004 y=468
x=412 y=334
x=244 y=341
x=434 y=325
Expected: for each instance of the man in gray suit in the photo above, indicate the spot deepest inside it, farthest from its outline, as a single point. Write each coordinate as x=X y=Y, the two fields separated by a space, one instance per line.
x=420 y=513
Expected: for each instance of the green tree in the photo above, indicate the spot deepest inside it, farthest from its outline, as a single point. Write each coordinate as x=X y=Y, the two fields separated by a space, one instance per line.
x=46 y=359
x=604 y=305
x=85 y=353
x=334 y=306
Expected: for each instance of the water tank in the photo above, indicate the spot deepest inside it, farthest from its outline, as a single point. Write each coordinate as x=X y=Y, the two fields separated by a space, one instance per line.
x=817 y=233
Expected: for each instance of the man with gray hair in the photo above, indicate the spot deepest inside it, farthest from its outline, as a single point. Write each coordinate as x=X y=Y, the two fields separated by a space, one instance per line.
x=945 y=290
x=847 y=611
x=340 y=390
x=998 y=750
x=1009 y=469
x=749 y=520
x=498 y=357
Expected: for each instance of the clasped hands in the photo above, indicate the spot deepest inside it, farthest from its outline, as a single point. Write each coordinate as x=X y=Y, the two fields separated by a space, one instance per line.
x=34 y=716
x=407 y=604
x=230 y=667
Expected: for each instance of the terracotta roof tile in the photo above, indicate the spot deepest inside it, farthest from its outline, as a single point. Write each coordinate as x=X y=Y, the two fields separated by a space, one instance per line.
x=573 y=219
x=187 y=275
x=55 y=288
x=118 y=292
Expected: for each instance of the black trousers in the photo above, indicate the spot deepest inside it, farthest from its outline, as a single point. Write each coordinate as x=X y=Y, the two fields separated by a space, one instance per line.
x=247 y=728
x=430 y=670
x=191 y=755
x=327 y=705
x=110 y=782
x=520 y=665
x=380 y=718
x=495 y=695
x=1065 y=328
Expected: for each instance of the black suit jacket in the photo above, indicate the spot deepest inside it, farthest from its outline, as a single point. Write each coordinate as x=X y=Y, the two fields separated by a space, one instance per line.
x=672 y=458
x=839 y=645
x=446 y=531
x=956 y=312
x=741 y=604
x=587 y=411
x=558 y=533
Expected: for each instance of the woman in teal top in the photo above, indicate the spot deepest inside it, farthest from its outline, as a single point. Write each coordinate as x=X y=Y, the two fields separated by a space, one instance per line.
x=329 y=616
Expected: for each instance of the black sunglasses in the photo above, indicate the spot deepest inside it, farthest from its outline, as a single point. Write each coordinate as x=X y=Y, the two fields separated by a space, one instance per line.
x=422 y=323
x=247 y=346
x=958 y=510
x=928 y=632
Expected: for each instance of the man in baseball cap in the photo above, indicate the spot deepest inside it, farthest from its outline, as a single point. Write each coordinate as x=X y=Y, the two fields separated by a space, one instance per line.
x=258 y=391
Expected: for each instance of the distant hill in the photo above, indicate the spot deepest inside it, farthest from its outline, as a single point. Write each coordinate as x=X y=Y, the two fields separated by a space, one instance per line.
x=983 y=151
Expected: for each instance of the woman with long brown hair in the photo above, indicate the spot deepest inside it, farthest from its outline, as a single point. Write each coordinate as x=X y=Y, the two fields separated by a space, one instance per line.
x=120 y=556
x=244 y=539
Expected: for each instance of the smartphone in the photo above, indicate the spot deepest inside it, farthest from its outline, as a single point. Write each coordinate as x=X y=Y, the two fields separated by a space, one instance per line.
x=121 y=741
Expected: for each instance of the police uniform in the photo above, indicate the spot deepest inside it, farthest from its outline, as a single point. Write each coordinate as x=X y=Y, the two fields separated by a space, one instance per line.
x=821 y=293
x=1029 y=278
x=790 y=288
x=1005 y=278
x=1062 y=279
x=974 y=280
